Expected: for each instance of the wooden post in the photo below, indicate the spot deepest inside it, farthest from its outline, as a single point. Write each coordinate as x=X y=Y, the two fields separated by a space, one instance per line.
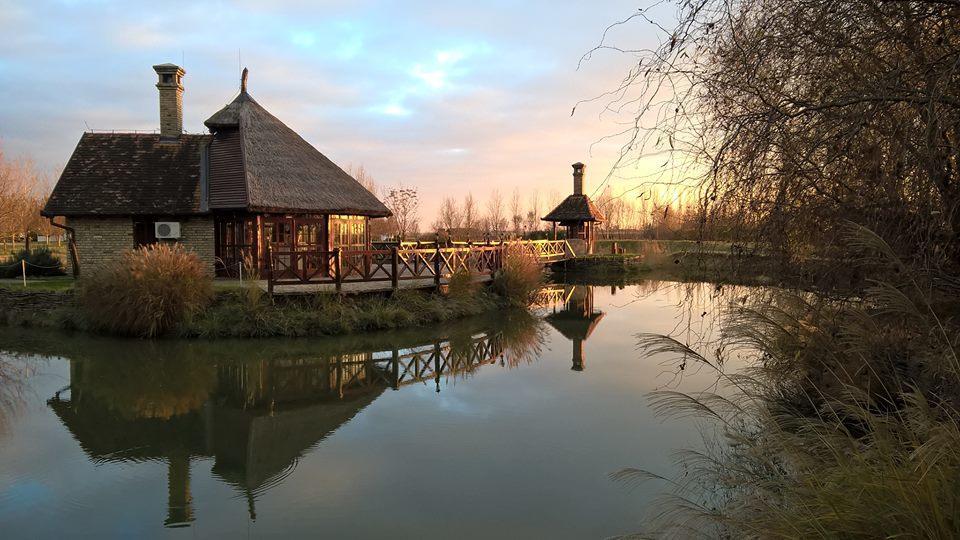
x=268 y=265
x=395 y=268
x=436 y=265
x=436 y=364
x=395 y=369
x=23 y=267
x=337 y=269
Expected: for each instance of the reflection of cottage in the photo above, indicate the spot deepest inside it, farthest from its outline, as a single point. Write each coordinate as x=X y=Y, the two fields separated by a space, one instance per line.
x=578 y=214
x=250 y=185
x=577 y=320
x=255 y=418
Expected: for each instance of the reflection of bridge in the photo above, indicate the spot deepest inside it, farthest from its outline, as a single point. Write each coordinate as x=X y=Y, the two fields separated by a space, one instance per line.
x=255 y=417
x=403 y=266
x=431 y=362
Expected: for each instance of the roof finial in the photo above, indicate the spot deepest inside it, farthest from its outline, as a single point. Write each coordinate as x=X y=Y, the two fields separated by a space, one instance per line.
x=243 y=80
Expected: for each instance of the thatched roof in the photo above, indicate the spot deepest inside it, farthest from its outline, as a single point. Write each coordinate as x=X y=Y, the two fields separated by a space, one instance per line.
x=120 y=174
x=575 y=207
x=275 y=169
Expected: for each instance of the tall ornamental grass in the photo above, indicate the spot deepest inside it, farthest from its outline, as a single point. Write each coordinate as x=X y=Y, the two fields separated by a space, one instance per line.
x=518 y=278
x=147 y=292
x=848 y=426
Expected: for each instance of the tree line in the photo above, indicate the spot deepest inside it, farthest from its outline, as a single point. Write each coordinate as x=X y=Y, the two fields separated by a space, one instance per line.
x=23 y=192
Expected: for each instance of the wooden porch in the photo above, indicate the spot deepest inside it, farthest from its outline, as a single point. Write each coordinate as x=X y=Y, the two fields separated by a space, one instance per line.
x=399 y=267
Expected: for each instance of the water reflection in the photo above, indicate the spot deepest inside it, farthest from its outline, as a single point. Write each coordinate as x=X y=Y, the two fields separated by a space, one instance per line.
x=255 y=409
x=576 y=318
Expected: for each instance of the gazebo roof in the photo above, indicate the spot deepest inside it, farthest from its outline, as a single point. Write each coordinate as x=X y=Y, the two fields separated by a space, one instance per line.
x=576 y=207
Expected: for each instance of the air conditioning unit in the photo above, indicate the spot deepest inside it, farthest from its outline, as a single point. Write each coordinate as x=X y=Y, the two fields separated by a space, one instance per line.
x=166 y=230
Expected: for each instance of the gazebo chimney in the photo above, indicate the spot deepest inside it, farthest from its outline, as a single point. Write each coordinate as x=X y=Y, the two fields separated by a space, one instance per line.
x=578 y=178
x=170 y=85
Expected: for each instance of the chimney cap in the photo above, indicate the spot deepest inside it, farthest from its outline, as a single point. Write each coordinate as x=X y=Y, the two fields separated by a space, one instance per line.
x=168 y=68
x=578 y=166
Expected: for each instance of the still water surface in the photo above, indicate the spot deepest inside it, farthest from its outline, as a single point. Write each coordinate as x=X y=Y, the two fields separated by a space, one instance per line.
x=503 y=427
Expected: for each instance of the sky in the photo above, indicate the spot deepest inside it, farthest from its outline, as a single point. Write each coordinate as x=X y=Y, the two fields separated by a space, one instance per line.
x=449 y=97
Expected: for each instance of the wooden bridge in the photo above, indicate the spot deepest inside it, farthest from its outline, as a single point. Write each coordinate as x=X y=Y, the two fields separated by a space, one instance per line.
x=404 y=266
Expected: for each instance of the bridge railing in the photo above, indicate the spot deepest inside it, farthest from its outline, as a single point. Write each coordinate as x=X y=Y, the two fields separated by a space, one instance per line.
x=338 y=266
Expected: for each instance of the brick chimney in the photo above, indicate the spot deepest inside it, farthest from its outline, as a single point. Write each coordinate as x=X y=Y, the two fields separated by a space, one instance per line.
x=170 y=85
x=578 y=178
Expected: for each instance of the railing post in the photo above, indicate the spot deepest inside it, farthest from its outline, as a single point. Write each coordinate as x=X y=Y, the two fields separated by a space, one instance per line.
x=395 y=270
x=269 y=269
x=337 y=269
x=500 y=256
x=436 y=266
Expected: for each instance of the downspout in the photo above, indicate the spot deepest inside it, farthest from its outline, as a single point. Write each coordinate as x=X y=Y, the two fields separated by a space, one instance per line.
x=72 y=244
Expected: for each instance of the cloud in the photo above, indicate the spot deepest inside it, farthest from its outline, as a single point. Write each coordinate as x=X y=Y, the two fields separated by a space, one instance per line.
x=451 y=97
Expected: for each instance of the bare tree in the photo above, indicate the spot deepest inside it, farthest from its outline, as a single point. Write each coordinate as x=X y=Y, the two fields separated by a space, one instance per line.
x=469 y=211
x=792 y=116
x=449 y=217
x=23 y=192
x=516 y=211
x=533 y=211
x=496 y=223
x=404 y=202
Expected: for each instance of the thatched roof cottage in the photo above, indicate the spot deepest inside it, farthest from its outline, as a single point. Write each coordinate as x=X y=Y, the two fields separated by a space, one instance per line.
x=252 y=184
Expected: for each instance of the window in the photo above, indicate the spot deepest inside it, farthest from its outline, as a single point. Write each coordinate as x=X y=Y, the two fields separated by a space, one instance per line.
x=349 y=232
x=235 y=243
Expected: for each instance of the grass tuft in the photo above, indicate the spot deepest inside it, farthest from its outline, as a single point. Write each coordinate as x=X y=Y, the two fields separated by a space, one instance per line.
x=145 y=293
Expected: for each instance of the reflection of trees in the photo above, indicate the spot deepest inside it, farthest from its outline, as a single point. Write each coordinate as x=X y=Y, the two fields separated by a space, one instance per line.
x=158 y=387
x=13 y=373
x=254 y=407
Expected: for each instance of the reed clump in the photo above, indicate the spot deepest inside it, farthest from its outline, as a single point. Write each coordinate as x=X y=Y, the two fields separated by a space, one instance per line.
x=518 y=278
x=848 y=425
x=146 y=292
x=462 y=284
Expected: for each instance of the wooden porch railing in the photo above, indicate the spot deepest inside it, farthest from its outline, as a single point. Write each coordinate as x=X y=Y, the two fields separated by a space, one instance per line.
x=394 y=265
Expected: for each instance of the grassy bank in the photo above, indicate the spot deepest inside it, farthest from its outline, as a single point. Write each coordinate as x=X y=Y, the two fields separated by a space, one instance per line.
x=692 y=264
x=248 y=312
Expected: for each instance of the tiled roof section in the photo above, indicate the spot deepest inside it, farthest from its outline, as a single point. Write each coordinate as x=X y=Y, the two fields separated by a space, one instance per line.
x=283 y=172
x=114 y=174
x=575 y=208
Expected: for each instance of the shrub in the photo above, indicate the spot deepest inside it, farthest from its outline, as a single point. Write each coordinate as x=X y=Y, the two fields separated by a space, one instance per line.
x=462 y=284
x=147 y=292
x=518 y=278
x=40 y=262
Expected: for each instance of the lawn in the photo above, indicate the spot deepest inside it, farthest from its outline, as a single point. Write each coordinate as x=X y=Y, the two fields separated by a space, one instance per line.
x=54 y=283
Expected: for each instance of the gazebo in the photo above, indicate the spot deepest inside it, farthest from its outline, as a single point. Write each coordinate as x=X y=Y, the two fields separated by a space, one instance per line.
x=578 y=214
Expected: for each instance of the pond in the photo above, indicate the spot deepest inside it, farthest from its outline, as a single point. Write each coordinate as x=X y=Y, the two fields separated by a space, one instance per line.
x=505 y=426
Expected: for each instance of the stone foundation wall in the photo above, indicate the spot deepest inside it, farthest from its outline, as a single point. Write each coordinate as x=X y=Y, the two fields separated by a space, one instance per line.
x=101 y=240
